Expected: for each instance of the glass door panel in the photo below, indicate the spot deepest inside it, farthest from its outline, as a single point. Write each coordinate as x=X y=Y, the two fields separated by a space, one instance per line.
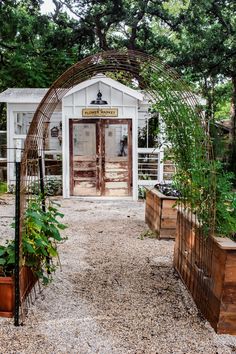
x=85 y=168
x=101 y=162
x=117 y=159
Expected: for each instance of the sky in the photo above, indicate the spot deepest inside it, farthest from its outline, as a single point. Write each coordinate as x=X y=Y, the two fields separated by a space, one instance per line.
x=47 y=6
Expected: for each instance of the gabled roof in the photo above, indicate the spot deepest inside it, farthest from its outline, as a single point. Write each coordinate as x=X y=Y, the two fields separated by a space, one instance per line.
x=35 y=95
x=107 y=81
x=23 y=95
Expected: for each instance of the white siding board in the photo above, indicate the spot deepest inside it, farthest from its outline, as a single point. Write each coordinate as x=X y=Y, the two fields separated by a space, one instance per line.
x=129 y=112
x=129 y=101
x=92 y=93
x=78 y=112
x=80 y=98
x=106 y=93
x=68 y=100
x=116 y=97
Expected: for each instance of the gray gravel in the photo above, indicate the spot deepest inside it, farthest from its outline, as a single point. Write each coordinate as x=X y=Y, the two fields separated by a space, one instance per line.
x=117 y=292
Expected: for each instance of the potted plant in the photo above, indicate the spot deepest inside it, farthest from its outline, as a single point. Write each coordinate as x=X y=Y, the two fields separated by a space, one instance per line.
x=160 y=214
x=39 y=246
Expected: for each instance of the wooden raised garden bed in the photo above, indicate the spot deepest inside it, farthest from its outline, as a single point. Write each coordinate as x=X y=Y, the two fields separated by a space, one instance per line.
x=160 y=215
x=7 y=290
x=208 y=269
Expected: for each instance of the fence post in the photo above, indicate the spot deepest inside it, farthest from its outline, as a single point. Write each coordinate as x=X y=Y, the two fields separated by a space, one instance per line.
x=41 y=179
x=17 y=233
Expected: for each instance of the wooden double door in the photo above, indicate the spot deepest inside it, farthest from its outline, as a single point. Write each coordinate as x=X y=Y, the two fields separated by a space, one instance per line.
x=101 y=157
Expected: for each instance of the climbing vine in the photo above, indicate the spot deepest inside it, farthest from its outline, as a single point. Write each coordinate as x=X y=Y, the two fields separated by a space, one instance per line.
x=204 y=186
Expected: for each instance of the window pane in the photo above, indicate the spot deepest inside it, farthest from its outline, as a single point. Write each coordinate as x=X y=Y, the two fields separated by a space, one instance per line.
x=116 y=139
x=84 y=139
x=3 y=145
x=148 y=130
x=22 y=122
x=153 y=132
x=142 y=129
x=147 y=166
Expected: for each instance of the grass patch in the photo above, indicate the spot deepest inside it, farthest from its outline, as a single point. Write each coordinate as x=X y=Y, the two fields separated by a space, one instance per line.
x=147 y=234
x=3 y=187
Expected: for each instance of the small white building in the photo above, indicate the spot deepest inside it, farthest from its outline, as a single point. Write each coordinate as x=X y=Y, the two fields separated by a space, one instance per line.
x=101 y=134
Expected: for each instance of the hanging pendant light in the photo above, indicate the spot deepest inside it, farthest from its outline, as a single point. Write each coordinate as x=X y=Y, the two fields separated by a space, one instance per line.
x=99 y=100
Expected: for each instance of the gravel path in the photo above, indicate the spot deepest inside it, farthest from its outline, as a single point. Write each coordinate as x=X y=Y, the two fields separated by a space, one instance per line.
x=117 y=293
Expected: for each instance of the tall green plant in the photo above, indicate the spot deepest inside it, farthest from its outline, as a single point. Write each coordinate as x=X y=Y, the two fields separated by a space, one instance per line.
x=40 y=237
x=201 y=180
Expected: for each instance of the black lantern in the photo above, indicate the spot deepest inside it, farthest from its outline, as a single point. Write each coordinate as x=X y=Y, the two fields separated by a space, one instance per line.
x=99 y=100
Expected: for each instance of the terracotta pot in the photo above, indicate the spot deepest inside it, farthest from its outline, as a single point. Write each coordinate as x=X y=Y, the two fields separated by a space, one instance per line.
x=7 y=297
x=7 y=290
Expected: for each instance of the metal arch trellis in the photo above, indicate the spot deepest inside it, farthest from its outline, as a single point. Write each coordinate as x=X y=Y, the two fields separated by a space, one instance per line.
x=159 y=81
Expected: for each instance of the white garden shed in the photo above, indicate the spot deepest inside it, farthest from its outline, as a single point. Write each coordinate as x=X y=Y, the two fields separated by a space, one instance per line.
x=102 y=133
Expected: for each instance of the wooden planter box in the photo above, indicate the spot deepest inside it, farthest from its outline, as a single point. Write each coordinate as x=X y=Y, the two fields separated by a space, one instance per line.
x=160 y=215
x=208 y=269
x=7 y=290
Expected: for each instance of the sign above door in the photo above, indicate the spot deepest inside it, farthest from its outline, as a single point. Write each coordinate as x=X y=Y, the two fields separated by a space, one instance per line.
x=100 y=112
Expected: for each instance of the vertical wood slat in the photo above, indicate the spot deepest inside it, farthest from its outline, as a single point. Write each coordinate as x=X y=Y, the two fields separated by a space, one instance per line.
x=160 y=215
x=101 y=156
x=71 y=156
x=207 y=266
x=130 y=143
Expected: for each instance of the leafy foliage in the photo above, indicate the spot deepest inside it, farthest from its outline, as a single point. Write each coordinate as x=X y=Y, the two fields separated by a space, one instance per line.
x=223 y=93
x=196 y=37
x=3 y=187
x=40 y=238
x=7 y=258
x=203 y=185
x=52 y=187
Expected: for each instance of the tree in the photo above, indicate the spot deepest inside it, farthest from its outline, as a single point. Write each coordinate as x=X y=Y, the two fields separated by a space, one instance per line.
x=206 y=52
x=34 y=50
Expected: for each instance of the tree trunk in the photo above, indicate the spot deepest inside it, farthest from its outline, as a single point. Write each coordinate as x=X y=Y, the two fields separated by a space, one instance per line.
x=233 y=111
x=233 y=129
x=208 y=94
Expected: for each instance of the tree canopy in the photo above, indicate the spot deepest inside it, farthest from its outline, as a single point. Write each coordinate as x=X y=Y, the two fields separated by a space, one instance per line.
x=197 y=38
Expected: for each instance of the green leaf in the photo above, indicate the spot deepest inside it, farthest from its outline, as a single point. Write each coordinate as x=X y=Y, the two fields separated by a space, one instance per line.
x=29 y=247
x=11 y=259
x=62 y=226
x=2 y=251
x=2 y=261
x=52 y=251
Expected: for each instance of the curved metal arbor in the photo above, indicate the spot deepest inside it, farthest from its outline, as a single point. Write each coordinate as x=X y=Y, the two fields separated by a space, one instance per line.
x=158 y=80
x=141 y=66
x=161 y=83
x=176 y=104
